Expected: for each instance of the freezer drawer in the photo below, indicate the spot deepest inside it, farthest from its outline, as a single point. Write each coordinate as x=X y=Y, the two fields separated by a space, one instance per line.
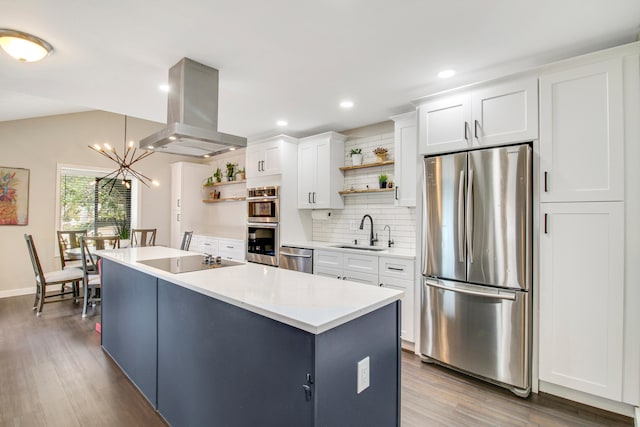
x=477 y=329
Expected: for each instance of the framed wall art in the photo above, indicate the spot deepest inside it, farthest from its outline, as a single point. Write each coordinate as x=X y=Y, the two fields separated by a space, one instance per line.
x=14 y=196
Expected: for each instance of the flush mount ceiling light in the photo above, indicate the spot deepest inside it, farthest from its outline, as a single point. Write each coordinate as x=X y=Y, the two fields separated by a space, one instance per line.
x=24 y=47
x=346 y=104
x=282 y=123
x=445 y=74
x=125 y=162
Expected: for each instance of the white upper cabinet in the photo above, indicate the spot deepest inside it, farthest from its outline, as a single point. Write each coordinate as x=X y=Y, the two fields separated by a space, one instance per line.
x=264 y=158
x=319 y=176
x=582 y=134
x=498 y=114
x=406 y=162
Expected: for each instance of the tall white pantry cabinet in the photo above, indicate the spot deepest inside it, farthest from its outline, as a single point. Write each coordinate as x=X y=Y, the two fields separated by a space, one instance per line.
x=589 y=233
x=187 y=209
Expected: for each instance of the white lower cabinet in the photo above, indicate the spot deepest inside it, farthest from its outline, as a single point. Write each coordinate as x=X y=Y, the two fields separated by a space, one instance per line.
x=397 y=274
x=344 y=266
x=582 y=296
x=204 y=245
x=232 y=249
x=389 y=272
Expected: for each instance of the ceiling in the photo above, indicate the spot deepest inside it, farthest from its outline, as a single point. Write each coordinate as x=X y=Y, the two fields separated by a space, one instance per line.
x=290 y=59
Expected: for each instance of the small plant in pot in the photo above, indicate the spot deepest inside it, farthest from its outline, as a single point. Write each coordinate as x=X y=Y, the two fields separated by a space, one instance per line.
x=240 y=175
x=356 y=156
x=218 y=175
x=382 y=179
x=231 y=171
x=381 y=153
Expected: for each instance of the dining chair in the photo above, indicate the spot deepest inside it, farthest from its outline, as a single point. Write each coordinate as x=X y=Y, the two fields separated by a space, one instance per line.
x=59 y=278
x=91 y=280
x=143 y=237
x=186 y=240
x=70 y=239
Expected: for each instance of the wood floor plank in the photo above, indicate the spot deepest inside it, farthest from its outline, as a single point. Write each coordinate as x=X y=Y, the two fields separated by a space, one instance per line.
x=53 y=372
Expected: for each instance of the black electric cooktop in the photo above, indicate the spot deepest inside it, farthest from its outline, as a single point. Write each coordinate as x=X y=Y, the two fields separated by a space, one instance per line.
x=185 y=264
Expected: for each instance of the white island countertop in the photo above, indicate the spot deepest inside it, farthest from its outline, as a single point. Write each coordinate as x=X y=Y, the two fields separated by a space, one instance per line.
x=309 y=302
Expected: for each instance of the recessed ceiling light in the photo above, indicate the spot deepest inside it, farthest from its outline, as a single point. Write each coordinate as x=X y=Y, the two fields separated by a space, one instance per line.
x=282 y=122
x=445 y=74
x=346 y=104
x=164 y=88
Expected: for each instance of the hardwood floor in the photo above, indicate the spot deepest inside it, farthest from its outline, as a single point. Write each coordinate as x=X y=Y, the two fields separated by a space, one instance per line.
x=53 y=372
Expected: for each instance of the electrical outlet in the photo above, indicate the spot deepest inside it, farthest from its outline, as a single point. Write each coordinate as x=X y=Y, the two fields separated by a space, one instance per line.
x=353 y=225
x=363 y=374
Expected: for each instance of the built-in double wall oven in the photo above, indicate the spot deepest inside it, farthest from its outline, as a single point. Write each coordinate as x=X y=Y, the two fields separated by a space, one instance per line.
x=263 y=228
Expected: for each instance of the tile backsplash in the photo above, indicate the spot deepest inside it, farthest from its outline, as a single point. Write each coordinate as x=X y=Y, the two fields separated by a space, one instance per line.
x=343 y=224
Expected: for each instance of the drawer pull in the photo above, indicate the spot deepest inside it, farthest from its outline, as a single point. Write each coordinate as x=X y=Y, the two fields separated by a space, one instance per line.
x=395 y=268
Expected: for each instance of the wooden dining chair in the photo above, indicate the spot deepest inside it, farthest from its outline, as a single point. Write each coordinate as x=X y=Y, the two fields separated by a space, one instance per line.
x=61 y=278
x=143 y=237
x=186 y=240
x=70 y=239
x=91 y=280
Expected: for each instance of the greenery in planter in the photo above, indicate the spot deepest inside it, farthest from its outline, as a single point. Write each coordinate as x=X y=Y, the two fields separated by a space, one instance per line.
x=218 y=175
x=230 y=170
x=356 y=151
x=240 y=172
x=121 y=227
x=382 y=177
x=380 y=151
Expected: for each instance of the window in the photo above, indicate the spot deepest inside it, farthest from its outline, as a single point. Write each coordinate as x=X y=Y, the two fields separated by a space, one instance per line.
x=101 y=206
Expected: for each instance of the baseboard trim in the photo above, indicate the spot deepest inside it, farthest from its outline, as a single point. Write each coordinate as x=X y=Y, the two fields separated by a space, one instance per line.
x=589 y=399
x=17 y=292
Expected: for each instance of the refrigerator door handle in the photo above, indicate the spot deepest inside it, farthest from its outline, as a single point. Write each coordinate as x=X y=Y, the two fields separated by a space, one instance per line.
x=470 y=216
x=506 y=295
x=461 y=217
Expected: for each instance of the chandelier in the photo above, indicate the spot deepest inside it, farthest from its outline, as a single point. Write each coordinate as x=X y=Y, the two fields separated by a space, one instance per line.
x=125 y=162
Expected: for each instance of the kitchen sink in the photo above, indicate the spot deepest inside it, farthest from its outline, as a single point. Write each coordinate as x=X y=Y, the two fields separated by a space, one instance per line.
x=361 y=248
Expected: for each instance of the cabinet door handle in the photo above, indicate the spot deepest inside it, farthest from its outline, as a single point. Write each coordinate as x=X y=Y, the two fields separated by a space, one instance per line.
x=475 y=128
x=309 y=197
x=546 y=230
x=178 y=203
x=229 y=247
x=178 y=217
x=546 y=180
x=466 y=134
x=314 y=197
x=396 y=193
x=381 y=285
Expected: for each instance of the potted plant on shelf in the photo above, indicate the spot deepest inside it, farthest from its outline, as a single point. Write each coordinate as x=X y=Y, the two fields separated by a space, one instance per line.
x=381 y=153
x=356 y=156
x=383 y=180
x=240 y=175
x=230 y=170
x=218 y=175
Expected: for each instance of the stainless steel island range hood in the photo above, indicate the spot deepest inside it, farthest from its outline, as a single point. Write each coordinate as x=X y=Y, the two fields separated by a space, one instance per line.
x=192 y=115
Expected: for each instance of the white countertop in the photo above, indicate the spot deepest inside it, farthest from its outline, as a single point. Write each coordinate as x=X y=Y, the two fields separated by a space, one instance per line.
x=309 y=302
x=387 y=252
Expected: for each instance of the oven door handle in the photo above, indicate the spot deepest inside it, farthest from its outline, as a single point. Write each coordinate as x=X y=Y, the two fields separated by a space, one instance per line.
x=262 y=224
x=262 y=198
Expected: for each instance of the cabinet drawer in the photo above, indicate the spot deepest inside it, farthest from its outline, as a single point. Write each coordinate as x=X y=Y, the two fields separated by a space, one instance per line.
x=331 y=259
x=361 y=263
x=334 y=273
x=231 y=249
x=397 y=268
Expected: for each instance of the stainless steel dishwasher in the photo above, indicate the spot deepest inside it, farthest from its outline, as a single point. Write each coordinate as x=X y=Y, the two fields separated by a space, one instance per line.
x=298 y=259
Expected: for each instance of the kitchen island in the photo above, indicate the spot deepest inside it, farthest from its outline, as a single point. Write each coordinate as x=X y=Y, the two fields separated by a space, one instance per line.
x=252 y=345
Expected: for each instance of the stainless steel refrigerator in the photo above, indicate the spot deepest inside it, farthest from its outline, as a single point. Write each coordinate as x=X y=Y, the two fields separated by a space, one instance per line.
x=476 y=287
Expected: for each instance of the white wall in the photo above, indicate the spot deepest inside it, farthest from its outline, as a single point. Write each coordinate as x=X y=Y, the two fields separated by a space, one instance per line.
x=340 y=227
x=40 y=144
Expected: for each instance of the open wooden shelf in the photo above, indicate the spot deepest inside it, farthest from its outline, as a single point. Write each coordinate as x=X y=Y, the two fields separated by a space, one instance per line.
x=215 y=184
x=224 y=199
x=368 y=165
x=371 y=190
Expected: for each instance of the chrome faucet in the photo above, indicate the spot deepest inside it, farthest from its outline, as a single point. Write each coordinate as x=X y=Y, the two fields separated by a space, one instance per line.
x=372 y=240
x=389 y=242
